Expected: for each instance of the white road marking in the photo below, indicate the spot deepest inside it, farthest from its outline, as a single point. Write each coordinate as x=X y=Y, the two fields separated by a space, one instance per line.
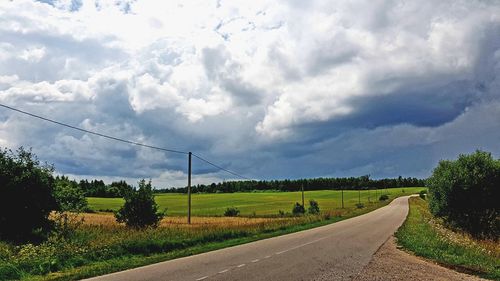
x=266 y=257
x=300 y=246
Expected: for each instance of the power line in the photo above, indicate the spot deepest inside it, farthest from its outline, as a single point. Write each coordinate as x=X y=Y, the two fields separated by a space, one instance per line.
x=220 y=168
x=93 y=133
x=122 y=140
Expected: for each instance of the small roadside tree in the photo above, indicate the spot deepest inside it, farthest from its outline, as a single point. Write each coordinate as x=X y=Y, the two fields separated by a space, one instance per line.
x=298 y=209
x=466 y=192
x=71 y=201
x=140 y=209
x=231 y=212
x=69 y=196
x=313 y=207
x=26 y=196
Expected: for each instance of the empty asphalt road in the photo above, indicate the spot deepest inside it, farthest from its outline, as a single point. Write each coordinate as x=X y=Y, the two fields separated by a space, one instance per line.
x=337 y=251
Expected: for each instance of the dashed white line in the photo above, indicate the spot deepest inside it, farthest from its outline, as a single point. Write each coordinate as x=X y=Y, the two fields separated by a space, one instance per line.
x=267 y=257
x=299 y=246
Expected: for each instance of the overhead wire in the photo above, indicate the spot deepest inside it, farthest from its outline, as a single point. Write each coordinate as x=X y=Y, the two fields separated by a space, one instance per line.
x=220 y=168
x=93 y=133
x=122 y=140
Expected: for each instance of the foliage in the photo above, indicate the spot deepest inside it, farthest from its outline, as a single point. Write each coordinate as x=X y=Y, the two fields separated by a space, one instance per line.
x=351 y=183
x=425 y=236
x=71 y=200
x=422 y=194
x=66 y=224
x=383 y=197
x=231 y=212
x=313 y=207
x=97 y=188
x=26 y=196
x=140 y=209
x=69 y=196
x=466 y=192
x=9 y=272
x=298 y=209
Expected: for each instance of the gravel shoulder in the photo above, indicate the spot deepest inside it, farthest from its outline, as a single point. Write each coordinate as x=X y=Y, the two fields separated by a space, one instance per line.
x=390 y=263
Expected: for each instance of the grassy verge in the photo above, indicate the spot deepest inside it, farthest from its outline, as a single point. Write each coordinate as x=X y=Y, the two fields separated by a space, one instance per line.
x=101 y=246
x=425 y=236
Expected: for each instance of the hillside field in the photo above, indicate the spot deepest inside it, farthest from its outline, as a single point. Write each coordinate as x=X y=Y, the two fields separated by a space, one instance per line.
x=254 y=203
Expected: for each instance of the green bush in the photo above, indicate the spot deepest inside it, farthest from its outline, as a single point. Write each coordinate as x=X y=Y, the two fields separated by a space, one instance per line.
x=9 y=272
x=313 y=207
x=26 y=196
x=383 y=197
x=69 y=196
x=140 y=209
x=231 y=212
x=298 y=209
x=422 y=194
x=466 y=192
x=360 y=205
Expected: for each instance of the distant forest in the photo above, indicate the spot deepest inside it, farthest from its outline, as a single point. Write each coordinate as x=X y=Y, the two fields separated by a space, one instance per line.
x=97 y=188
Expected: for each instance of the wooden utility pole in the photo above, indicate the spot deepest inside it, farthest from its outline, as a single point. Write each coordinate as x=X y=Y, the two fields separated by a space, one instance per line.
x=302 y=187
x=189 y=188
x=342 y=197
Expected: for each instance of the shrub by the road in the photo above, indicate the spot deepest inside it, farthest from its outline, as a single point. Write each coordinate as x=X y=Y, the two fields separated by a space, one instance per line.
x=466 y=193
x=313 y=207
x=422 y=194
x=140 y=209
x=69 y=196
x=383 y=197
x=231 y=212
x=26 y=196
x=298 y=209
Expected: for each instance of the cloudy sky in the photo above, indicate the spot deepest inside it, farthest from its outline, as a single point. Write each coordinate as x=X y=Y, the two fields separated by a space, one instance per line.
x=268 y=89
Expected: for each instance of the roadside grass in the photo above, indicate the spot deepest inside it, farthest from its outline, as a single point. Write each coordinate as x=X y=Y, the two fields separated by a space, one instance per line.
x=426 y=236
x=254 y=203
x=101 y=246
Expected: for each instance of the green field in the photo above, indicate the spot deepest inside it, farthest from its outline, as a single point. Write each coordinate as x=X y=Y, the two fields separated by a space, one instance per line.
x=254 y=203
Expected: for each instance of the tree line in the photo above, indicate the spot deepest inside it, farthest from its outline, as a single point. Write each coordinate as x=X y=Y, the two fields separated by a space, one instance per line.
x=97 y=188
x=350 y=183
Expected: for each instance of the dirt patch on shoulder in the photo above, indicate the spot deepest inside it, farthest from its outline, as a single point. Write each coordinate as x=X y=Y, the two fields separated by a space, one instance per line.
x=390 y=263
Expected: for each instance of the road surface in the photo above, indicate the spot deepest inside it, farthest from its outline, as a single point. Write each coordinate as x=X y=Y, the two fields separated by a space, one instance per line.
x=337 y=251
